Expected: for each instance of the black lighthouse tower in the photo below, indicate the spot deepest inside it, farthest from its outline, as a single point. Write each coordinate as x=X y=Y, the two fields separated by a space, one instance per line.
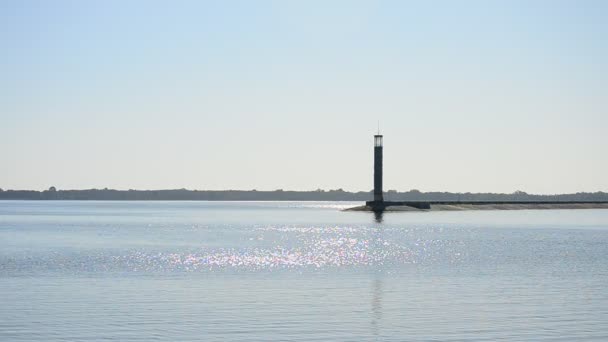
x=378 y=199
x=378 y=205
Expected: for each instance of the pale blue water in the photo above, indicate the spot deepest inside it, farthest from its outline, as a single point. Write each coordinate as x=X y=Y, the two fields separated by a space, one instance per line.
x=260 y=271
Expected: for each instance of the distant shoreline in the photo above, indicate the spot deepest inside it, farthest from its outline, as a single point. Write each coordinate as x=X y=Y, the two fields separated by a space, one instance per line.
x=288 y=195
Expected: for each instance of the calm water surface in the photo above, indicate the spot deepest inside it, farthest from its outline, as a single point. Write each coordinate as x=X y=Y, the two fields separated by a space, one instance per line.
x=181 y=271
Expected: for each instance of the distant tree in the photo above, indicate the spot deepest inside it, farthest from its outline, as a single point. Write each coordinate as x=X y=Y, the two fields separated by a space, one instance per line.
x=51 y=193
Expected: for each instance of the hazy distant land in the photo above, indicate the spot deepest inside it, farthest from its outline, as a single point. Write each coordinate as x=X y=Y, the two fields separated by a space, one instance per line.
x=284 y=195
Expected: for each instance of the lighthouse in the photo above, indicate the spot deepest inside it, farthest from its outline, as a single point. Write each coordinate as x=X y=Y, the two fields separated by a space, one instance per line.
x=379 y=205
x=378 y=199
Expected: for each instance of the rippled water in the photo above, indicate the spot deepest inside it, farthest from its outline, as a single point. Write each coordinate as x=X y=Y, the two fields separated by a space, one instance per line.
x=298 y=271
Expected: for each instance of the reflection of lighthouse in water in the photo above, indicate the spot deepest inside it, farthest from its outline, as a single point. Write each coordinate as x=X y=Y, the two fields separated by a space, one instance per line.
x=377 y=291
x=376 y=306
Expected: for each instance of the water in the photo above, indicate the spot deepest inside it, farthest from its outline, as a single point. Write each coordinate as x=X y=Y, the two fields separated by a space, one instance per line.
x=180 y=271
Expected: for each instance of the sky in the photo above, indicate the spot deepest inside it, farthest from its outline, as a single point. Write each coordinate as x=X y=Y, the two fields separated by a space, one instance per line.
x=471 y=96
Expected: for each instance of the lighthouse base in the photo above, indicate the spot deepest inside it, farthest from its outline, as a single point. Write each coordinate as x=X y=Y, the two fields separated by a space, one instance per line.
x=382 y=205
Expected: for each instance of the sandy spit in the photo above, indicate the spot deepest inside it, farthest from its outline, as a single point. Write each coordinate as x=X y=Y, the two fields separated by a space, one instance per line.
x=527 y=206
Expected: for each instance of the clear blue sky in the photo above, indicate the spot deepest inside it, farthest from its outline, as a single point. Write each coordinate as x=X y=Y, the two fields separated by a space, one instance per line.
x=480 y=96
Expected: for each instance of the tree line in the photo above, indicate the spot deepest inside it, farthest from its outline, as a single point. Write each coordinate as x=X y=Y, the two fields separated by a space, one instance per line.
x=284 y=195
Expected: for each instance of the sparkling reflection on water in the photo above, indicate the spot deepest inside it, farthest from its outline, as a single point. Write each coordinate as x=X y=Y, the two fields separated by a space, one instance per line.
x=298 y=271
